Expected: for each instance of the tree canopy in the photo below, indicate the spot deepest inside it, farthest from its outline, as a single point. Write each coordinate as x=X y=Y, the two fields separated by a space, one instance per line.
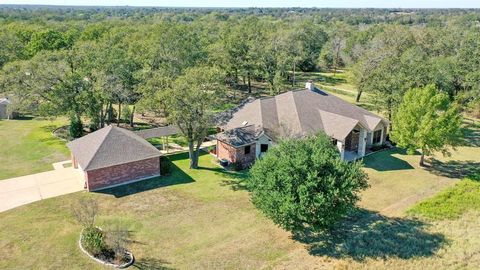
x=122 y=57
x=304 y=183
x=426 y=120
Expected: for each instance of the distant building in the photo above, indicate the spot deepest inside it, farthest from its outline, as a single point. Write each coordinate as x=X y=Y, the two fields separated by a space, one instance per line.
x=4 y=112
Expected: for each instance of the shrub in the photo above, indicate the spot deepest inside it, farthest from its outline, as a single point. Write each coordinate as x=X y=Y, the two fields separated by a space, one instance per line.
x=304 y=184
x=378 y=147
x=93 y=240
x=126 y=114
x=117 y=240
x=86 y=211
x=76 y=127
x=237 y=166
x=165 y=166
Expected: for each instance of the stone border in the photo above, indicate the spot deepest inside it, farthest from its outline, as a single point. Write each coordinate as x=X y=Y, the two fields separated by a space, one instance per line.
x=54 y=133
x=119 y=266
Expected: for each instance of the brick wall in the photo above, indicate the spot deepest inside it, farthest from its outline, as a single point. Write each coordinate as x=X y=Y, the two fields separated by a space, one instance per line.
x=233 y=155
x=118 y=174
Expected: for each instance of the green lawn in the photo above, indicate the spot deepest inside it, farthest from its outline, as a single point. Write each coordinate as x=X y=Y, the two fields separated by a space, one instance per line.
x=450 y=203
x=27 y=146
x=191 y=219
x=203 y=219
x=397 y=182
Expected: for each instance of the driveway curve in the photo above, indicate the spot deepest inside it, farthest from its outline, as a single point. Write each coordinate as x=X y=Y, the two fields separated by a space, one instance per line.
x=30 y=188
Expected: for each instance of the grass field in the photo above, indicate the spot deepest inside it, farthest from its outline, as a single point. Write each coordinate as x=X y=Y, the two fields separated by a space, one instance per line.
x=451 y=203
x=27 y=146
x=203 y=219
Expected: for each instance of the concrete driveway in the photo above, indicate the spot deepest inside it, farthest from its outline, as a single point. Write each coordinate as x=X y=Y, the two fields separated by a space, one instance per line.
x=30 y=188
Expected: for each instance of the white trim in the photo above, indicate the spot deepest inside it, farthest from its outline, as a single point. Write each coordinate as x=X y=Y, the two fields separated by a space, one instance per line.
x=127 y=182
x=120 y=266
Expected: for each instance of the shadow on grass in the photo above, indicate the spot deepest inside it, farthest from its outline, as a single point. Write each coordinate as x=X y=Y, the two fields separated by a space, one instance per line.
x=177 y=177
x=151 y=264
x=471 y=132
x=385 y=161
x=454 y=168
x=366 y=234
x=23 y=117
x=235 y=180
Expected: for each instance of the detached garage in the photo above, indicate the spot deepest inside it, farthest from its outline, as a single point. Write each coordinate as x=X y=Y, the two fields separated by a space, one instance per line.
x=114 y=156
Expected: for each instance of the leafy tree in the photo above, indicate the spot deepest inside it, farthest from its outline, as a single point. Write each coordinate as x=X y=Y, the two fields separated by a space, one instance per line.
x=11 y=47
x=389 y=68
x=76 y=127
x=426 y=120
x=190 y=103
x=47 y=40
x=304 y=183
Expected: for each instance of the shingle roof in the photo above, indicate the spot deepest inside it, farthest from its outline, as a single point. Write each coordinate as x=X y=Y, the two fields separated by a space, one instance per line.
x=110 y=146
x=303 y=112
x=240 y=136
x=158 y=132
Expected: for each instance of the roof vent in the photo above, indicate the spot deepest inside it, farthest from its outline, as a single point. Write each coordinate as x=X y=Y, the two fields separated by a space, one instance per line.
x=244 y=123
x=309 y=85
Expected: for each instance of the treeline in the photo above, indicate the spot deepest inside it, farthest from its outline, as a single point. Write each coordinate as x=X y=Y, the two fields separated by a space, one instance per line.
x=88 y=63
x=350 y=16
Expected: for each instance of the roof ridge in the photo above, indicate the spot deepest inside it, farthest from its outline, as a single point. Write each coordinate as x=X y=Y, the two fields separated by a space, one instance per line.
x=341 y=115
x=296 y=109
x=100 y=145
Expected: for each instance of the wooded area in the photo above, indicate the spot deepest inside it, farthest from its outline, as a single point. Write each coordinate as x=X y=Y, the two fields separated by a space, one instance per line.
x=89 y=63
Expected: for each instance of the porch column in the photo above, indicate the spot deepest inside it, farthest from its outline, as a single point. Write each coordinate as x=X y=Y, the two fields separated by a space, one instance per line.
x=341 y=149
x=362 y=142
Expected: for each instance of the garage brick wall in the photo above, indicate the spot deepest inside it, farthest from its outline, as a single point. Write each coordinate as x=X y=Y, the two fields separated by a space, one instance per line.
x=114 y=175
x=233 y=155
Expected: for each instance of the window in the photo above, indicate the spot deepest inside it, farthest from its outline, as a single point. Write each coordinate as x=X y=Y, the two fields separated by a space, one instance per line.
x=377 y=136
x=247 y=149
x=263 y=148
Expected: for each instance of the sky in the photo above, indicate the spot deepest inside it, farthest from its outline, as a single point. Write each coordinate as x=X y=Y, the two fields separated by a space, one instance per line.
x=263 y=3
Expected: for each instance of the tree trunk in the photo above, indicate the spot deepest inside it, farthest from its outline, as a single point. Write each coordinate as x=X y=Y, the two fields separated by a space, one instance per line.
x=109 y=113
x=359 y=94
x=249 y=83
x=422 y=159
x=119 y=114
x=102 y=117
x=192 y=155
x=293 y=81
x=131 y=116
x=335 y=63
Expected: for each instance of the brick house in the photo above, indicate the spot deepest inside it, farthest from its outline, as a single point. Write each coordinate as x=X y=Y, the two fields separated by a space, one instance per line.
x=114 y=156
x=242 y=145
x=258 y=123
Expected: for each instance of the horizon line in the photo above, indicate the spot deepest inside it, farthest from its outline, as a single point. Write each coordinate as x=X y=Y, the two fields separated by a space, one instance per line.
x=240 y=7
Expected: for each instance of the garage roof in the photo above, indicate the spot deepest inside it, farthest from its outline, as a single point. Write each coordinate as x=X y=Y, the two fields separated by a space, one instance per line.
x=158 y=132
x=110 y=146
